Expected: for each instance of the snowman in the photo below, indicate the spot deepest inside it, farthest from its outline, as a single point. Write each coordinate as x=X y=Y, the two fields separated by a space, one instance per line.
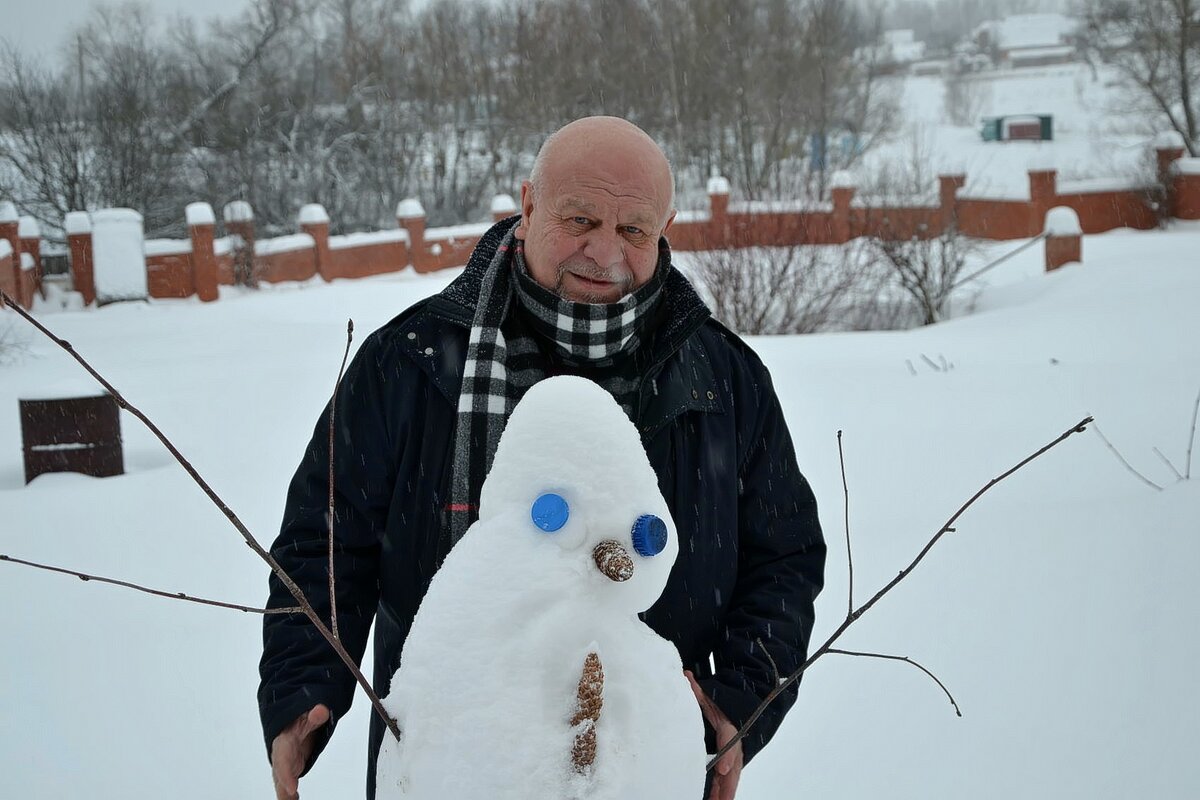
x=527 y=672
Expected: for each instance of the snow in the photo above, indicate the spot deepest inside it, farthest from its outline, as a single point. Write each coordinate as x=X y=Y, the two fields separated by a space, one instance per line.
x=27 y=261
x=227 y=244
x=504 y=204
x=117 y=256
x=1031 y=30
x=366 y=238
x=516 y=672
x=1063 y=221
x=167 y=247
x=199 y=214
x=1094 y=185
x=473 y=229
x=1187 y=166
x=693 y=216
x=312 y=214
x=842 y=179
x=1169 y=140
x=1058 y=613
x=284 y=244
x=718 y=185
x=1030 y=53
x=8 y=212
x=238 y=211
x=778 y=206
x=410 y=208
x=5 y=248
x=76 y=222
x=28 y=228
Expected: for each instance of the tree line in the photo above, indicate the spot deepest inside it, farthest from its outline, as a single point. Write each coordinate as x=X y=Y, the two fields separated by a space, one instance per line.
x=356 y=104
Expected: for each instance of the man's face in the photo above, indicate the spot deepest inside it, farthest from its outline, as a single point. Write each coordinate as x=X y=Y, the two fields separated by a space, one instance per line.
x=591 y=230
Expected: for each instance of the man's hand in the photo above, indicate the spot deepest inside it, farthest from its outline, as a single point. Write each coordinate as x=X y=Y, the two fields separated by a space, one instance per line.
x=291 y=749
x=729 y=768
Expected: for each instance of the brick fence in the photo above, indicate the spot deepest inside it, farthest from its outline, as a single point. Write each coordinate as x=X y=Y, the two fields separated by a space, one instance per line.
x=200 y=263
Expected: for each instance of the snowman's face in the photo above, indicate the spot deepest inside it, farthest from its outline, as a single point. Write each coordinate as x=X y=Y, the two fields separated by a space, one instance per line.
x=571 y=471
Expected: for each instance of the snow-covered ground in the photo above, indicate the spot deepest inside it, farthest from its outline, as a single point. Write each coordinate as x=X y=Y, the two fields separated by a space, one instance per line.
x=1062 y=614
x=1096 y=134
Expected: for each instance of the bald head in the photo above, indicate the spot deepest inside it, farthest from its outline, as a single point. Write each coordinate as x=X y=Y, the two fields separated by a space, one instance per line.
x=592 y=137
x=599 y=197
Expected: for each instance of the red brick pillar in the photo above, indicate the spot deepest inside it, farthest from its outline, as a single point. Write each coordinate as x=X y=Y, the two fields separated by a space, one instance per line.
x=841 y=191
x=78 y=226
x=719 y=235
x=503 y=207
x=1186 y=188
x=202 y=228
x=410 y=215
x=239 y=222
x=1043 y=196
x=948 y=186
x=314 y=221
x=9 y=225
x=1064 y=238
x=30 y=234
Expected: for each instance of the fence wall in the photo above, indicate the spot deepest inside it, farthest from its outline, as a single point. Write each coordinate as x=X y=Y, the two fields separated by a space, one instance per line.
x=199 y=264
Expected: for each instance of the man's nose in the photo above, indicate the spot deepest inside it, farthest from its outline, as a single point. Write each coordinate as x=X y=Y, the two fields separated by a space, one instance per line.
x=604 y=247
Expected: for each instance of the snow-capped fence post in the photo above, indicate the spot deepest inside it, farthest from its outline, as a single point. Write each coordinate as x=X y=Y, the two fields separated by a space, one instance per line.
x=30 y=234
x=410 y=215
x=718 y=213
x=119 y=255
x=1064 y=238
x=1043 y=194
x=1168 y=148
x=78 y=227
x=202 y=227
x=841 y=191
x=314 y=221
x=239 y=222
x=9 y=225
x=948 y=186
x=1185 y=188
x=503 y=207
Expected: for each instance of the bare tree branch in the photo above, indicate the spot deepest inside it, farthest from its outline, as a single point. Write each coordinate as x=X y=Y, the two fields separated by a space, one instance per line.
x=83 y=576
x=906 y=660
x=1192 y=438
x=1121 y=458
x=1167 y=461
x=849 y=554
x=253 y=543
x=853 y=617
x=333 y=623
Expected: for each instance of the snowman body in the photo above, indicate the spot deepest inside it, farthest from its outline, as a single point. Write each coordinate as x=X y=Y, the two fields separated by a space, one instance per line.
x=488 y=680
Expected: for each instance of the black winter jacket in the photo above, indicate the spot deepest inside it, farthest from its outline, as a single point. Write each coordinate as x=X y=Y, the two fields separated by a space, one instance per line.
x=751 y=554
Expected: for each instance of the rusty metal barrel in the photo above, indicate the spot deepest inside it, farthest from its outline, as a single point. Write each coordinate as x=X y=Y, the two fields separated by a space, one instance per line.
x=73 y=434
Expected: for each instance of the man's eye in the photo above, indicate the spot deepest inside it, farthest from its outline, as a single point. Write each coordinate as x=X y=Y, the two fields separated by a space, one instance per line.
x=634 y=231
x=580 y=220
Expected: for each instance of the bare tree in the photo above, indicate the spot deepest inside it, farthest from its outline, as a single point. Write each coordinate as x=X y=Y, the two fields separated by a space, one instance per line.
x=1155 y=45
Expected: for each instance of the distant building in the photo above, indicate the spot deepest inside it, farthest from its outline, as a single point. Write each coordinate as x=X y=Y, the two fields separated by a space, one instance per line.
x=1029 y=40
x=895 y=52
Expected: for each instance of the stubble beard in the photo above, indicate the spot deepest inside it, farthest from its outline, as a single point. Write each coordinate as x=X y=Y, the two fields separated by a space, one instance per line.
x=622 y=280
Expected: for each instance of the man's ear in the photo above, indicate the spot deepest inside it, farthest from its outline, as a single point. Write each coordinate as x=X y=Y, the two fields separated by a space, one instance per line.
x=670 y=219
x=526 y=209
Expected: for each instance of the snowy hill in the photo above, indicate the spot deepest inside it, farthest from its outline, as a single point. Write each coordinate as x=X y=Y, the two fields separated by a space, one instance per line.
x=1062 y=614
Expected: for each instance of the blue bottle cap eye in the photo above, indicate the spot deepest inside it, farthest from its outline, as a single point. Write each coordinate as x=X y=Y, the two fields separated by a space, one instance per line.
x=649 y=535
x=550 y=512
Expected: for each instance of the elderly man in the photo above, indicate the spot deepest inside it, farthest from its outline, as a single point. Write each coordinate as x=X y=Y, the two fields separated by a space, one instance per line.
x=580 y=283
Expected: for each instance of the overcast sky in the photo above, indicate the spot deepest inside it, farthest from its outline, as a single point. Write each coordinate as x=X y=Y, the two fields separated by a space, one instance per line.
x=39 y=28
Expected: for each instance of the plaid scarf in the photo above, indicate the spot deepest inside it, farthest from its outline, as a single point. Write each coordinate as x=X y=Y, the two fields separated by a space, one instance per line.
x=584 y=335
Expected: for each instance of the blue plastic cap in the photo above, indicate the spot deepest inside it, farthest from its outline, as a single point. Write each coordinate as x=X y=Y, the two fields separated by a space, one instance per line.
x=649 y=535
x=550 y=512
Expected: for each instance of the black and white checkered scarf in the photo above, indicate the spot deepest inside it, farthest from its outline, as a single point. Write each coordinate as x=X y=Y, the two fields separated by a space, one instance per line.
x=583 y=334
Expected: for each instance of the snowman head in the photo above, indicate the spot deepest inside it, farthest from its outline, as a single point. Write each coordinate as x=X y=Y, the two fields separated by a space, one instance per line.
x=573 y=487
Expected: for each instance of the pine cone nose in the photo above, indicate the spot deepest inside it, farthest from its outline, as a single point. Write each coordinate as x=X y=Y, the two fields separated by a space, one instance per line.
x=613 y=560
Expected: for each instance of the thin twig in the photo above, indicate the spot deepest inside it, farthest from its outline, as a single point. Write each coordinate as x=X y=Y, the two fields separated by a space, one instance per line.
x=233 y=518
x=849 y=553
x=1192 y=438
x=333 y=621
x=1121 y=458
x=774 y=666
x=932 y=364
x=1167 y=461
x=1079 y=427
x=906 y=660
x=911 y=368
x=83 y=576
x=998 y=261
